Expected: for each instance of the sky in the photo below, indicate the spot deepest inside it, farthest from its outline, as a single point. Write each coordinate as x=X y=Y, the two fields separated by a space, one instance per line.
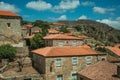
x=105 y=11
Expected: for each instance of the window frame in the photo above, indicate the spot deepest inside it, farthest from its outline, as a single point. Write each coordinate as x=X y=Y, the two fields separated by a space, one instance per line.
x=59 y=77
x=74 y=76
x=88 y=60
x=9 y=25
x=58 y=62
x=60 y=44
x=74 y=43
x=74 y=60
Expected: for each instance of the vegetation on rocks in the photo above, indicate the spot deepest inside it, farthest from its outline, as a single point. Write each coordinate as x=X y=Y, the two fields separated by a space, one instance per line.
x=7 y=51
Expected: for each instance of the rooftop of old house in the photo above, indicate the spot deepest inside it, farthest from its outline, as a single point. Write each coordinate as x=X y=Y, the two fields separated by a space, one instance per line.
x=61 y=36
x=117 y=45
x=53 y=31
x=7 y=13
x=65 y=51
x=102 y=70
x=115 y=50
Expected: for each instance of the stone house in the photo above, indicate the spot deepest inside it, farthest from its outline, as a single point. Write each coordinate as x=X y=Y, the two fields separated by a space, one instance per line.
x=62 y=40
x=63 y=63
x=101 y=70
x=115 y=54
x=10 y=28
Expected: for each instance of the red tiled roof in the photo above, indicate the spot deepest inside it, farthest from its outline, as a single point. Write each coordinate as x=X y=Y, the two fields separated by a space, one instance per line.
x=100 y=71
x=117 y=45
x=53 y=31
x=112 y=59
x=61 y=36
x=114 y=50
x=64 y=51
x=7 y=13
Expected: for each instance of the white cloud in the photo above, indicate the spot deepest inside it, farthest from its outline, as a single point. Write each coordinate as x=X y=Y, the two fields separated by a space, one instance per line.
x=9 y=7
x=88 y=3
x=39 y=5
x=118 y=18
x=63 y=17
x=66 y=5
x=102 y=10
x=113 y=23
x=83 y=17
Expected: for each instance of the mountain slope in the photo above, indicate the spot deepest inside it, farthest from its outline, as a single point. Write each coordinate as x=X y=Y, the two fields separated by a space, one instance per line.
x=97 y=30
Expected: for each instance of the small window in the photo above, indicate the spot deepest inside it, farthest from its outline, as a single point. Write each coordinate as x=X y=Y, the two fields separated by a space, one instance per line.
x=58 y=62
x=61 y=44
x=89 y=59
x=74 y=60
x=74 y=76
x=8 y=24
x=74 y=43
x=59 y=77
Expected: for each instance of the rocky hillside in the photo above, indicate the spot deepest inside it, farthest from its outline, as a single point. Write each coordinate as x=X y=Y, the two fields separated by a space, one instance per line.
x=97 y=30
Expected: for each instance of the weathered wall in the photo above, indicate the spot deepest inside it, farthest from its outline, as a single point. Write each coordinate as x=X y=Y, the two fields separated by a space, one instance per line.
x=65 y=42
x=13 y=31
x=67 y=69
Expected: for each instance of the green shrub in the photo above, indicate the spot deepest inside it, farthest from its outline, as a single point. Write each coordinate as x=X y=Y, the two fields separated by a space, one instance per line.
x=7 y=51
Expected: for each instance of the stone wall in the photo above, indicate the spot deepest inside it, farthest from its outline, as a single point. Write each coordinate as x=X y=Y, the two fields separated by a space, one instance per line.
x=10 y=28
x=65 y=42
x=67 y=69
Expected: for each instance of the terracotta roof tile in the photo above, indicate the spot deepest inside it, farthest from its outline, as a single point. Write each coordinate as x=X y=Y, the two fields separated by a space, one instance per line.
x=100 y=71
x=61 y=36
x=7 y=13
x=64 y=51
x=53 y=31
x=117 y=45
x=114 y=50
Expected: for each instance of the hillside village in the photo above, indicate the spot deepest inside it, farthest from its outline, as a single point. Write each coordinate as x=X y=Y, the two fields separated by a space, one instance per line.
x=55 y=52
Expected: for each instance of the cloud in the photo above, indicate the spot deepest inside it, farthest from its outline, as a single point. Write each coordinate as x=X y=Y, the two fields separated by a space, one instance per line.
x=63 y=17
x=65 y=5
x=83 y=17
x=118 y=18
x=113 y=23
x=9 y=7
x=88 y=3
x=39 y=5
x=102 y=10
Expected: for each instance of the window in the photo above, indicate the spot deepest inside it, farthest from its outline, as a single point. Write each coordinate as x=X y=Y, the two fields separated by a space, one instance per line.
x=61 y=44
x=74 y=76
x=89 y=59
x=8 y=24
x=59 y=77
x=58 y=62
x=74 y=60
x=74 y=43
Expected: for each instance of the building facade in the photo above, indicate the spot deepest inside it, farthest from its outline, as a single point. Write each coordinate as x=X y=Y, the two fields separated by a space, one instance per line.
x=62 y=40
x=63 y=63
x=10 y=27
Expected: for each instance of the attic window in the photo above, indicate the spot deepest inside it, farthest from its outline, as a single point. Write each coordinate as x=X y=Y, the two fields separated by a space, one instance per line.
x=8 y=24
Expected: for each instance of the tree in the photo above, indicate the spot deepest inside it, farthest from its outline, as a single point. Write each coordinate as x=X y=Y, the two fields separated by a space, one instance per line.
x=64 y=29
x=43 y=25
x=37 y=41
x=7 y=51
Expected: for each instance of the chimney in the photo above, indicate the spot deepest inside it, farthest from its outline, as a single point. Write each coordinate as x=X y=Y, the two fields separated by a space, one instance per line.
x=118 y=71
